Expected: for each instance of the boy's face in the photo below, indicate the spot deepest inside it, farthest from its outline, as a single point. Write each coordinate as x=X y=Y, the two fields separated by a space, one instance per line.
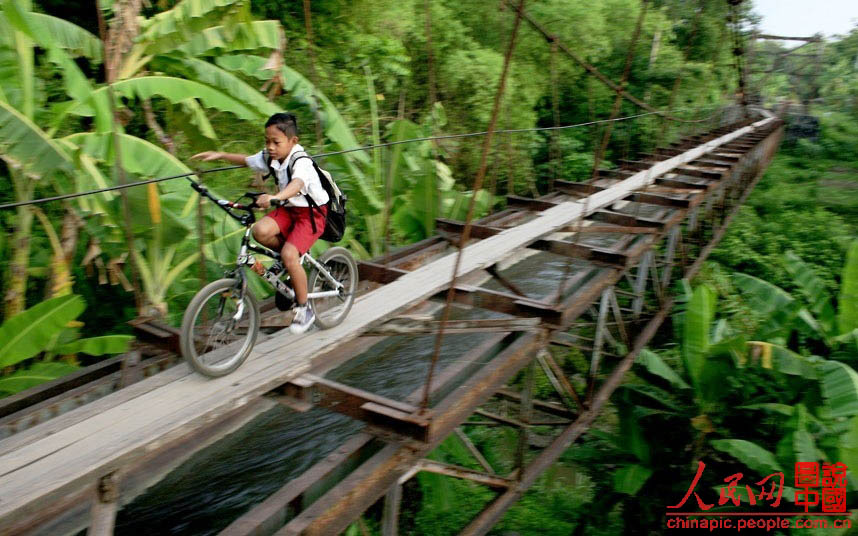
x=277 y=143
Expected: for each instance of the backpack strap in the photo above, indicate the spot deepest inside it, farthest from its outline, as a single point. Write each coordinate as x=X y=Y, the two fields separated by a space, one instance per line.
x=267 y=165
x=310 y=201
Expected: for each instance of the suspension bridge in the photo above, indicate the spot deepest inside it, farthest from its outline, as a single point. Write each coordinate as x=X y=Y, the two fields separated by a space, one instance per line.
x=71 y=449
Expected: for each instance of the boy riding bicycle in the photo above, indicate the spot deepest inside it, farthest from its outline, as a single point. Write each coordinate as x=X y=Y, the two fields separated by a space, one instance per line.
x=288 y=229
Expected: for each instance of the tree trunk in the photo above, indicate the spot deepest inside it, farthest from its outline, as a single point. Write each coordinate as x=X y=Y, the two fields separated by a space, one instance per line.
x=60 y=280
x=14 y=299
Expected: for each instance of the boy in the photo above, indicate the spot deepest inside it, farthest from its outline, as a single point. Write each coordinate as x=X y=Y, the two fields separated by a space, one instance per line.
x=288 y=228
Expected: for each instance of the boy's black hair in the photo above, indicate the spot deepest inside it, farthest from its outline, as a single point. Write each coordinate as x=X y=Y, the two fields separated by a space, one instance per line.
x=285 y=122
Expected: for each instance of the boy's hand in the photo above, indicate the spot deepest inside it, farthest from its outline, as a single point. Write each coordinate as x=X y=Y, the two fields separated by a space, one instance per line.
x=264 y=201
x=208 y=156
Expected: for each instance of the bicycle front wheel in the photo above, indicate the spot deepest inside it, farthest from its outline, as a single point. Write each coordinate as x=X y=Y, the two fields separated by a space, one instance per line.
x=332 y=310
x=219 y=328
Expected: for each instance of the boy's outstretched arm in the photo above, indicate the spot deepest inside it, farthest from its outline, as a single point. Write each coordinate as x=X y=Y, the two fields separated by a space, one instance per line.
x=208 y=156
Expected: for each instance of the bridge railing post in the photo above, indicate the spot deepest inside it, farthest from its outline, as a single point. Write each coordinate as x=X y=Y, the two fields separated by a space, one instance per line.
x=104 y=506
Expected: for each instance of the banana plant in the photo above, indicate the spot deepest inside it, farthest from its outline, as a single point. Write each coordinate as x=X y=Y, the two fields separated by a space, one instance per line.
x=835 y=325
x=175 y=41
x=820 y=394
x=48 y=329
x=32 y=157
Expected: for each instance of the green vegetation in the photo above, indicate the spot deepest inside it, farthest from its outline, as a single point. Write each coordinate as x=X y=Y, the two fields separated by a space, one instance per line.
x=762 y=370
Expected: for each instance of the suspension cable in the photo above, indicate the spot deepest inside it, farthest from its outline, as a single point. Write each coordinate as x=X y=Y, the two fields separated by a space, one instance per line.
x=320 y=155
x=478 y=182
x=598 y=74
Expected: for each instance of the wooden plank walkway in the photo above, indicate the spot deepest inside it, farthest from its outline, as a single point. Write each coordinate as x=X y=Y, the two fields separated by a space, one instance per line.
x=58 y=457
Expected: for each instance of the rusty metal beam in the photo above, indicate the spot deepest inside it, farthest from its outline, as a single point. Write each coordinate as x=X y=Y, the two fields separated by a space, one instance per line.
x=475 y=452
x=440 y=468
x=332 y=512
x=378 y=273
x=615 y=229
x=577 y=188
x=662 y=200
x=492 y=513
x=618 y=218
x=415 y=326
x=527 y=203
x=549 y=408
x=677 y=182
x=445 y=226
x=272 y=513
x=382 y=412
x=503 y=302
x=493 y=270
x=702 y=173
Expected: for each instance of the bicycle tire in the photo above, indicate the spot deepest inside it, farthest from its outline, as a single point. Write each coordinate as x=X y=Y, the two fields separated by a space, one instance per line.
x=194 y=352
x=347 y=274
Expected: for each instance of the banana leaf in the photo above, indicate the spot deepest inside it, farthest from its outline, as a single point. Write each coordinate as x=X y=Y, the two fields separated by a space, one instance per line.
x=654 y=364
x=69 y=36
x=175 y=27
x=30 y=332
x=629 y=479
x=77 y=85
x=39 y=373
x=840 y=389
x=751 y=455
x=108 y=344
x=139 y=156
x=178 y=90
x=771 y=301
x=214 y=41
x=813 y=288
x=221 y=80
x=695 y=340
x=24 y=146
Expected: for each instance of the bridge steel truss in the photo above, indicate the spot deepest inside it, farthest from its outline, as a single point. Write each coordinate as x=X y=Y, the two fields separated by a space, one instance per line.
x=663 y=214
x=609 y=308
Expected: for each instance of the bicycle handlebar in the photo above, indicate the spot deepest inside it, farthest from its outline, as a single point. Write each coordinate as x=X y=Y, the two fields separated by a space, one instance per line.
x=228 y=206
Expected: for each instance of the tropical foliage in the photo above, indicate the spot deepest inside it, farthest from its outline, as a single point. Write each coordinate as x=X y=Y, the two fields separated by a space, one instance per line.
x=41 y=343
x=761 y=373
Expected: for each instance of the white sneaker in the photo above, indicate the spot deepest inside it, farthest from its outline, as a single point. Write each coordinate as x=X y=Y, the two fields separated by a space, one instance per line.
x=304 y=318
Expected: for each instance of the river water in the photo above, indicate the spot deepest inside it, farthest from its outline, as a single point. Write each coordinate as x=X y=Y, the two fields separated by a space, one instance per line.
x=224 y=480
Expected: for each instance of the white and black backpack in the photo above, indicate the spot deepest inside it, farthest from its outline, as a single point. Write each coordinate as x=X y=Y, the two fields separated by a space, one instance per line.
x=335 y=221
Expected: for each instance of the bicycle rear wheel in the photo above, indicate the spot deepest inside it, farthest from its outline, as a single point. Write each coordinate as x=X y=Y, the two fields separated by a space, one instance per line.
x=332 y=310
x=219 y=328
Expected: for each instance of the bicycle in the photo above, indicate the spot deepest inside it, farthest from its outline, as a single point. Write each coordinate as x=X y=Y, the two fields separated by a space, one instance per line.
x=222 y=322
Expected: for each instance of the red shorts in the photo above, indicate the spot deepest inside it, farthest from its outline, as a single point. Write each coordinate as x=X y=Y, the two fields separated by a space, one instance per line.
x=295 y=225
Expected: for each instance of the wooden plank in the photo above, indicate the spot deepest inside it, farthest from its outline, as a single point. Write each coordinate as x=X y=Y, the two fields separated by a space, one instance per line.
x=81 y=453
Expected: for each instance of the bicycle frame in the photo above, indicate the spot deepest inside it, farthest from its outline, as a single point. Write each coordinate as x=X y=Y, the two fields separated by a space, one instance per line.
x=244 y=259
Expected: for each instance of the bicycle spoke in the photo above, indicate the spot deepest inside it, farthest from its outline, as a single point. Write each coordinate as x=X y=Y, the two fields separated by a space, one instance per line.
x=219 y=341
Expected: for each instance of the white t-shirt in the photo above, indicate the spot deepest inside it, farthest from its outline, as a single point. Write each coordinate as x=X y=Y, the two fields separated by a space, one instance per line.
x=302 y=169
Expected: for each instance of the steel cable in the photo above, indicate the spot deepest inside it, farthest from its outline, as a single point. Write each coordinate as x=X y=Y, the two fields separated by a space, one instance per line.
x=320 y=155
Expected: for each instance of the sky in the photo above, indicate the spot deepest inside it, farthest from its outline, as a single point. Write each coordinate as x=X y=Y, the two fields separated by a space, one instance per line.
x=806 y=17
